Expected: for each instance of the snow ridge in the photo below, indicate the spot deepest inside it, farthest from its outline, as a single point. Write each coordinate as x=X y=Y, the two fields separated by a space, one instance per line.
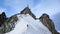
x=34 y=27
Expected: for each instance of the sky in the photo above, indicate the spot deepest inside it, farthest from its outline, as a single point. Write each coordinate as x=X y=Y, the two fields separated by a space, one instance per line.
x=38 y=7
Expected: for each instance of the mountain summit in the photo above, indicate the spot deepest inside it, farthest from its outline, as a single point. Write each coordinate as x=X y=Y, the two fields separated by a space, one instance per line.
x=28 y=11
x=26 y=23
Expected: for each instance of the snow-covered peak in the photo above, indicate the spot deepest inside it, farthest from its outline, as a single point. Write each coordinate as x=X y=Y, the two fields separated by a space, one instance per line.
x=27 y=25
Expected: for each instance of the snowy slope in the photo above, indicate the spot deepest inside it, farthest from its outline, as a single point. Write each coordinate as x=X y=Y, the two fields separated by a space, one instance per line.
x=34 y=27
x=59 y=31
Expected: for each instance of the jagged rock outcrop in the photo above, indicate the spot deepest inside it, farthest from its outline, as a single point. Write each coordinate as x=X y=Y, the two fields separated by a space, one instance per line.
x=2 y=18
x=28 y=11
x=48 y=23
x=9 y=25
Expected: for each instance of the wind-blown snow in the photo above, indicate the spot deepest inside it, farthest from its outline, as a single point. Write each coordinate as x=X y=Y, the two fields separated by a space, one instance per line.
x=34 y=27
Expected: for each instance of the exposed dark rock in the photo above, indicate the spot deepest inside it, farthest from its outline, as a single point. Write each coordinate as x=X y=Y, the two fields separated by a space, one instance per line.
x=48 y=23
x=7 y=24
x=28 y=11
x=13 y=18
x=2 y=18
x=10 y=22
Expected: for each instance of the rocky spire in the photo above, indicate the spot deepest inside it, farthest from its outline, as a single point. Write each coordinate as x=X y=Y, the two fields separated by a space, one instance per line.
x=2 y=18
x=28 y=11
x=48 y=23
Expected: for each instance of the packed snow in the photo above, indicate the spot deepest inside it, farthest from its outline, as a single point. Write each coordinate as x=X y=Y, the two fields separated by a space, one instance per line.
x=27 y=25
x=59 y=31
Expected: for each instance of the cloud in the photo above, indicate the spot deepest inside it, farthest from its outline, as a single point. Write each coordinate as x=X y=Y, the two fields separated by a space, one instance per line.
x=15 y=6
x=56 y=19
x=50 y=7
x=2 y=10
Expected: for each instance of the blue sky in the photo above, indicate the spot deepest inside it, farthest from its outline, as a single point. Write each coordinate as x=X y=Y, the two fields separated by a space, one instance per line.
x=38 y=7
